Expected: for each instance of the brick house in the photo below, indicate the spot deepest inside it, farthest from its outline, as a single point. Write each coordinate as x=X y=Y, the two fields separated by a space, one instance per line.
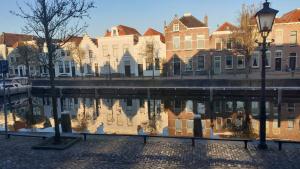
x=185 y=36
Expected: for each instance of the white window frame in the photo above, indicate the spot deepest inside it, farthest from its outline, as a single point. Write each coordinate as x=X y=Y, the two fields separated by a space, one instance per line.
x=295 y=61
x=291 y=121
x=276 y=57
x=280 y=37
x=291 y=43
x=226 y=66
x=200 y=38
x=198 y=62
x=188 y=63
x=176 y=27
x=188 y=40
x=237 y=62
x=256 y=53
x=218 y=40
x=174 y=40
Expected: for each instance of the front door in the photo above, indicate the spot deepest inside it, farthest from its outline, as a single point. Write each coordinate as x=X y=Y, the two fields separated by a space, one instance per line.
x=127 y=69
x=73 y=69
x=278 y=64
x=96 y=70
x=217 y=64
x=176 y=67
x=140 y=70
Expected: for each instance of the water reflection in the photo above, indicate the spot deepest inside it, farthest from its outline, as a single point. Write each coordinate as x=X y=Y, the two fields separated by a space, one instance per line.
x=218 y=118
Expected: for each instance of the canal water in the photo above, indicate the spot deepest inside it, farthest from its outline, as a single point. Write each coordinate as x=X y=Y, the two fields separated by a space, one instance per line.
x=222 y=117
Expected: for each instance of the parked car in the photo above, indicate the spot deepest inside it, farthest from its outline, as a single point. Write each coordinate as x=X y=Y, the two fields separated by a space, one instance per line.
x=63 y=75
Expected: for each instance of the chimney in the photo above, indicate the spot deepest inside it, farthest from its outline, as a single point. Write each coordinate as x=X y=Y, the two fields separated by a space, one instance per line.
x=206 y=20
x=187 y=14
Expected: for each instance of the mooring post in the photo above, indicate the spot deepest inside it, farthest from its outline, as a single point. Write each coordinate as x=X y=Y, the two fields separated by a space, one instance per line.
x=211 y=106
x=279 y=101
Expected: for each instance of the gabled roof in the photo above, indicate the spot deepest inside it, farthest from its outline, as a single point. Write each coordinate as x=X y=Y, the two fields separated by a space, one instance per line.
x=10 y=39
x=153 y=32
x=292 y=16
x=77 y=40
x=191 y=22
x=124 y=30
x=226 y=27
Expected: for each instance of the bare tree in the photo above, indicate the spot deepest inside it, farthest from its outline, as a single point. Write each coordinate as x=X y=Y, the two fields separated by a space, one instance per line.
x=78 y=54
x=54 y=21
x=245 y=36
x=27 y=54
x=150 y=50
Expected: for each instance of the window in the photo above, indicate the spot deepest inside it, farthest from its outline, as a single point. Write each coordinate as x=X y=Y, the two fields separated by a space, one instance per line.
x=115 y=51
x=255 y=59
x=149 y=64
x=229 y=106
x=200 y=42
x=177 y=104
x=292 y=61
x=189 y=106
x=188 y=42
x=218 y=44
x=189 y=65
x=190 y=126
x=240 y=61
x=89 y=68
x=125 y=49
x=200 y=62
x=240 y=106
x=200 y=108
x=291 y=124
x=291 y=107
x=128 y=104
x=105 y=50
x=157 y=64
x=275 y=123
x=268 y=59
x=293 y=38
x=229 y=44
x=67 y=66
x=229 y=62
x=178 y=125
x=115 y=32
x=279 y=37
x=278 y=60
x=91 y=54
x=176 y=42
x=61 y=67
x=176 y=27
x=62 y=53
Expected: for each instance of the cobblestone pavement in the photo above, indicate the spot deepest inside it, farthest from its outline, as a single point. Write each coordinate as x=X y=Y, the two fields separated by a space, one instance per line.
x=125 y=152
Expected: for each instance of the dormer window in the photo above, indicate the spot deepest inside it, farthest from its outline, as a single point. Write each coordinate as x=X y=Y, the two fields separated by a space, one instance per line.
x=114 y=32
x=176 y=27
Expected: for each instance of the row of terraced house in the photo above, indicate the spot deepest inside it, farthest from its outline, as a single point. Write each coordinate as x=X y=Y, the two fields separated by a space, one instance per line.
x=186 y=48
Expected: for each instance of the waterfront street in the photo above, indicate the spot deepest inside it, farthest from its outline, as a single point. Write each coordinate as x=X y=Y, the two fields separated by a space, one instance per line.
x=124 y=152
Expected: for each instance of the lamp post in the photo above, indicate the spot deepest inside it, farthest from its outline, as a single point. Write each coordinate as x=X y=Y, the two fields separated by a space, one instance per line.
x=265 y=19
x=109 y=69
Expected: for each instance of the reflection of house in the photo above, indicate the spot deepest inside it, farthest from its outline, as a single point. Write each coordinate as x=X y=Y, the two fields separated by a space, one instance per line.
x=181 y=118
x=120 y=116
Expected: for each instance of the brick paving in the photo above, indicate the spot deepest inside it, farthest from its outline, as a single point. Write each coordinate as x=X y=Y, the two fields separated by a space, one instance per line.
x=124 y=152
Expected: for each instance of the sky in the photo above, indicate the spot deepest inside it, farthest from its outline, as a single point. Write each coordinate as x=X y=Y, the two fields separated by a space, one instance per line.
x=142 y=14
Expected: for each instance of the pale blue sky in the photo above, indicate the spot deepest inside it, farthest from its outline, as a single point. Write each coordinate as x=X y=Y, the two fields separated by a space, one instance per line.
x=142 y=14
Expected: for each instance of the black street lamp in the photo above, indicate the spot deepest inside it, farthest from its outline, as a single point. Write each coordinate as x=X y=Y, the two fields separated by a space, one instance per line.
x=265 y=20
